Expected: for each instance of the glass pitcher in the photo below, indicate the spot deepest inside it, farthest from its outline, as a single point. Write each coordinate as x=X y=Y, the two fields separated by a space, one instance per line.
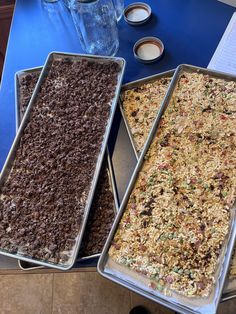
x=96 y=24
x=66 y=3
x=119 y=7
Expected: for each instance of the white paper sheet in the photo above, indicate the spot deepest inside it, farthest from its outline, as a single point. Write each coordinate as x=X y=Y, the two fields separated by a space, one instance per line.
x=230 y=2
x=224 y=58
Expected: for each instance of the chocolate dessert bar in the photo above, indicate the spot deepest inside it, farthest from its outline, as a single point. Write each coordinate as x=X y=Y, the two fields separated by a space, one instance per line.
x=43 y=199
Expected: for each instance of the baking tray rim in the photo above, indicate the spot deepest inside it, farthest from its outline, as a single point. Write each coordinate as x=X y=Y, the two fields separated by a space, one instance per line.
x=230 y=245
x=129 y=86
x=11 y=155
x=29 y=268
x=228 y=296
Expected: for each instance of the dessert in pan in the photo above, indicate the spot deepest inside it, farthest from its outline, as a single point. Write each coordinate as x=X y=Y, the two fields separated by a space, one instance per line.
x=43 y=211
x=178 y=215
x=27 y=82
x=101 y=216
x=105 y=204
x=102 y=213
x=140 y=105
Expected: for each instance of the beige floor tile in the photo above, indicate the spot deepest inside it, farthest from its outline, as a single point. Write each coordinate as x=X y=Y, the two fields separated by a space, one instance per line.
x=153 y=307
x=88 y=293
x=228 y=307
x=26 y=294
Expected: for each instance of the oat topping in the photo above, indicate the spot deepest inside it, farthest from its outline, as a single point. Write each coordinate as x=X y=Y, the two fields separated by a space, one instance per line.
x=141 y=105
x=27 y=82
x=178 y=214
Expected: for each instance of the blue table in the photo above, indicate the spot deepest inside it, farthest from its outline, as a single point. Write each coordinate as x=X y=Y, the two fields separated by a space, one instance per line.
x=189 y=29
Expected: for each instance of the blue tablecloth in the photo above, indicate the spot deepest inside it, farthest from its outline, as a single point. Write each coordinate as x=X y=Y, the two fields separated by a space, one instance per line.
x=189 y=29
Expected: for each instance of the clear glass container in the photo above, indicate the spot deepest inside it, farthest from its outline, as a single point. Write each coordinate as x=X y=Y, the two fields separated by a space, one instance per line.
x=50 y=1
x=119 y=7
x=96 y=24
x=66 y=3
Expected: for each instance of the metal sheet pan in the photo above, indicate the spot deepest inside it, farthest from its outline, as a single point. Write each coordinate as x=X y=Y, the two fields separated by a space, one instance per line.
x=30 y=266
x=116 y=204
x=226 y=296
x=229 y=291
x=11 y=156
x=18 y=76
x=134 y=84
x=24 y=265
x=135 y=285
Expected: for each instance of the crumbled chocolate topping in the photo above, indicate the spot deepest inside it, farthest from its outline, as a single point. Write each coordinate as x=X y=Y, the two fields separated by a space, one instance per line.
x=27 y=84
x=42 y=202
x=100 y=218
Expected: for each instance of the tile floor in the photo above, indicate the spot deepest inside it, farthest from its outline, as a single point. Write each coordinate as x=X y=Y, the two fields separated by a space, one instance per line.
x=73 y=293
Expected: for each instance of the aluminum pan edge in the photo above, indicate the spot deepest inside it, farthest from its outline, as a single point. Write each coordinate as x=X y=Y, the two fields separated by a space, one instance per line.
x=103 y=259
x=11 y=155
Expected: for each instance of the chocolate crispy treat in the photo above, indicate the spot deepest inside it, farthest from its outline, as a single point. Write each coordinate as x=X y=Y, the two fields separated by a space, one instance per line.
x=100 y=218
x=42 y=202
x=27 y=84
x=102 y=210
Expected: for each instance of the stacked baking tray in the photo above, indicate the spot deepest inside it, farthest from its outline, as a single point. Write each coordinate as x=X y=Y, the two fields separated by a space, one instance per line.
x=101 y=225
x=155 y=91
x=63 y=57
x=124 y=276
x=119 y=275
x=25 y=82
